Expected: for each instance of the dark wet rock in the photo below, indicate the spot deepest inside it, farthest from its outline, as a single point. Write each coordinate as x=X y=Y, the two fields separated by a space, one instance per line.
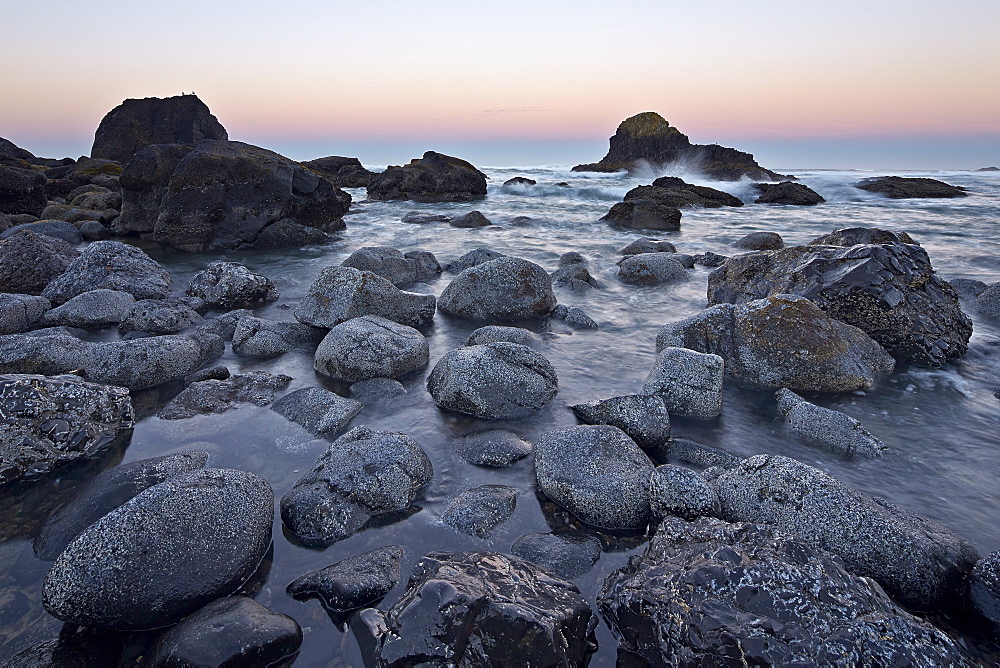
x=987 y=302
x=647 y=245
x=573 y=273
x=318 y=411
x=568 y=555
x=267 y=338
x=647 y=139
x=918 y=562
x=363 y=473
x=651 y=269
x=473 y=258
x=352 y=583
x=968 y=288
x=852 y=236
x=642 y=214
x=224 y=326
x=21 y=218
x=145 y=179
x=114 y=266
x=433 y=178
x=229 y=285
x=92 y=230
x=687 y=382
x=342 y=172
x=597 y=473
x=220 y=372
x=93 y=309
x=760 y=241
x=231 y=631
x=393 y=265
x=897 y=187
x=497 y=448
x=697 y=454
x=496 y=333
x=377 y=389
x=494 y=381
x=675 y=192
x=478 y=511
x=218 y=396
x=51 y=228
x=519 y=181
x=30 y=261
x=710 y=259
x=522 y=221
x=159 y=316
x=371 y=347
x=50 y=422
x=471 y=219
x=19 y=313
x=826 y=428
x=482 y=609
x=507 y=288
x=219 y=519
x=341 y=293
x=573 y=316
x=681 y=492
x=421 y=218
x=783 y=341
x=984 y=590
x=787 y=192
x=21 y=190
x=889 y=291
x=135 y=124
x=76 y=648
x=644 y=418
x=713 y=593
x=109 y=490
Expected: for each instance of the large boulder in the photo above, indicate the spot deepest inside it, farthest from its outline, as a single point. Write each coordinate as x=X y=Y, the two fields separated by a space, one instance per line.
x=266 y=338
x=651 y=269
x=787 y=192
x=342 y=172
x=688 y=383
x=135 y=124
x=30 y=261
x=123 y=572
x=391 y=264
x=506 y=288
x=351 y=583
x=783 y=341
x=493 y=381
x=50 y=422
x=597 y=473
x=114 y=266
x=59 y=229
x=433 y=178
x=371 y=347
x=917 y=561
x=92 y=309
x=21 y=190
x=639 y=214
x=341 y=293
x=229 y=285
x=898 y=187
x=647 y=139
x=226 y=195
x=480 y=609
x=713 y=593
x=888 y=290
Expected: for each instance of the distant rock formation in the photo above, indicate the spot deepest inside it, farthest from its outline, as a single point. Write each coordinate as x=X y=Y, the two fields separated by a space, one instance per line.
x=898 y=187
x=648 y=138
x=342 y=172
x=434 y=178
x=135 y=124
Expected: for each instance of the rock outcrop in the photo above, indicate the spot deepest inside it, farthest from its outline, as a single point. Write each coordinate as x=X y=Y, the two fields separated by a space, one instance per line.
x=432 y=178
x=342 y=172
x=898 y=187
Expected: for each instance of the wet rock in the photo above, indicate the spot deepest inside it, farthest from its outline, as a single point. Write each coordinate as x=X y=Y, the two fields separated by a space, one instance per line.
x=897 y=187
x=231 y=631
x=29 y=261
x=393 y=265
x=21 y=190
x=642 y=214
x=107 y=491
x=496 y=333
x=675 y=192
x=108 y=199
x=219 y=519
x=651 y=269
x=93 y=309
x=371 y=347
x=145 y=178
x=573 y=316
x=159 y=316
x=647 y=245
x=229 y=285
x=687 y=382
x=984 y=590
x=568 y=555
x=342 y=172
x=224 y=326
x=710 y=259
x=21 y=312
x=987 y=302
x=478 y=511
x=114 y=266
x=681 y=492
x=218 y=396
x=644 y=418
x=760 y=241
x=698 y=454
x=826 y=428
x=573 y=273
x=219 y=372
x=709 y=592
x=50 y=228
x=97 y=171
x=597 y=473
x=968 y=288
x=852 y=236
x=497 y=448
x=889 y=291
x=471 y=219
x=377 y=389
x=66 y=214
x=341 y=293
x=507 y=288
x=352 y=583
x=363 y=473
x=92 y=230
x=50 y=422
x=783 y=341
x=421 y=218
x=433 y=178
x=519 y=181
x=318 y=411
x=917 y=561
x=482 y=609
x=266 y=338
x=787 y=192
x=495 y=381
x=474 y=257
x=135 y=124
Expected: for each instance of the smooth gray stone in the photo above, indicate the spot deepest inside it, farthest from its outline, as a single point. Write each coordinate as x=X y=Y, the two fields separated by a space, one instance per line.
x=371 y=347
x=478 y=511
x=506 y=289
x=341 y=293
x=318 y=411
x=93 y=309
x=497 y=448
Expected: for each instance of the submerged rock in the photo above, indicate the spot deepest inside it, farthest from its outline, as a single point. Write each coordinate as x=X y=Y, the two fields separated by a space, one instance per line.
x=371 y=347
x=478 y=511
x=787 y=192
x=496 y=448
x=341 y=293
x=352 y=583
x=573 y=316
x=474 y=257
x=110 y=265
x=471 y=219
x=266 y=338
x=644 y=418
x=506 y=288
x=687 y=382
x=377 y=389
x=827 y=428
x=573 y=273
x=30 y=261
x=647 y=245
x=569 y=555
x=229 y=285
x=897 y=187
x=433 y=178
x=218 y=396
x=984 y=590
x=318 y=411
x=498 y=333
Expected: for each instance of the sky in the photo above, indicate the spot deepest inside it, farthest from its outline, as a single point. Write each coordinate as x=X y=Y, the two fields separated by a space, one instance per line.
x=905 y=84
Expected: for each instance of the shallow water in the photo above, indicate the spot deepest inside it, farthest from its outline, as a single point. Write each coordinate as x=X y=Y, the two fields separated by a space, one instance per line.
x=941 y=425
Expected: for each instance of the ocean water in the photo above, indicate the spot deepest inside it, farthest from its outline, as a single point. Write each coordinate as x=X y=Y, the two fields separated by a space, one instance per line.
x=942 y=426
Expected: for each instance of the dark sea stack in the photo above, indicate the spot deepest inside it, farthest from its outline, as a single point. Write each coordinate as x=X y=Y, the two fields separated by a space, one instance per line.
x=144 y=183
x=888 y=290
x=481 y=609
x=135 y=124
x=713 y=593
x=352 y=583
x=519 y=181
x=30 y=261
x=787 y=192
x=898 y=187
x=21 y=190
x=648 y=139
x=433 y=178
x=342 y=172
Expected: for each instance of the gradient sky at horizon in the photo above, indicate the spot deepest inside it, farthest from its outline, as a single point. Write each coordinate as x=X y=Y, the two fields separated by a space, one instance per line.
x=840 y=84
